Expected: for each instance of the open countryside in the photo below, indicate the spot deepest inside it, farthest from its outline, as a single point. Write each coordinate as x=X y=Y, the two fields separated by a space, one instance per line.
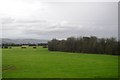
x=40 y=63
x=59 y=39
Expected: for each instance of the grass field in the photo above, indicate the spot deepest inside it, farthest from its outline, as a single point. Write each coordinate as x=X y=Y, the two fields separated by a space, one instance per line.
x=0 y=63
x=41 y=63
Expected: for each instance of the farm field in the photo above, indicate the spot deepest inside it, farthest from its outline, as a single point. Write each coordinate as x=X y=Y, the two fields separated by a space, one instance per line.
x=0 y=63
x=41 y=63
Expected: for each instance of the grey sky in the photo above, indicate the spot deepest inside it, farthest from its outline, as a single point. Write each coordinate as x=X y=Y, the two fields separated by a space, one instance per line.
x=47 y=20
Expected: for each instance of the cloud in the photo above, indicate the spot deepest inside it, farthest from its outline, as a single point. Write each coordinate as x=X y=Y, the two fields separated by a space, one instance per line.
x=30 y=21
x=59 y=20
x=45 y=29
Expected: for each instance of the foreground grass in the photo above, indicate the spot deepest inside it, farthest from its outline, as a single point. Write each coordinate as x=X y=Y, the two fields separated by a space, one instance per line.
x=41 y=63
x=0 y=63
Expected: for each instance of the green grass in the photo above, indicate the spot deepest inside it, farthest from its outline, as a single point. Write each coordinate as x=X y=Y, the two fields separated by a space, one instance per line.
x=41 y=63
x=0 y=63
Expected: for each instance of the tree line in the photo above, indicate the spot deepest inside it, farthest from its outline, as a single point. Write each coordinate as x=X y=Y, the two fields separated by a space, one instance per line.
x=13 y=44
x=10 y=45
x=86 y=45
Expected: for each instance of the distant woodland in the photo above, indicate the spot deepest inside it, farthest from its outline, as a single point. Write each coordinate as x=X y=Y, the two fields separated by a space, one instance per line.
x=86 y=45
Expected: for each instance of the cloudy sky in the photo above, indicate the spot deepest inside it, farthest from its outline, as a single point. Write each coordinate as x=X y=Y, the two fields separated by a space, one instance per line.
x=61 y=19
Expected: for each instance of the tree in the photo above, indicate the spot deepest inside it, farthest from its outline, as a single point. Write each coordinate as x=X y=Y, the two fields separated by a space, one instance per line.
x=86 y=45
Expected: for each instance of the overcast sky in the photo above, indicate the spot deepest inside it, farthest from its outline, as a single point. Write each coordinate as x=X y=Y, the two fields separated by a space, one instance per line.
x=46 y=20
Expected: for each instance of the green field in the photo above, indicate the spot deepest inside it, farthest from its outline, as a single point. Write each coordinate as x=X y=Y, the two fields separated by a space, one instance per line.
x=0 y=63
x=41 y=63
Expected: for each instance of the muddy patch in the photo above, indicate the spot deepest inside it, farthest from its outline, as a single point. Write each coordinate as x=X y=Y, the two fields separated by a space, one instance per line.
x=8 y=67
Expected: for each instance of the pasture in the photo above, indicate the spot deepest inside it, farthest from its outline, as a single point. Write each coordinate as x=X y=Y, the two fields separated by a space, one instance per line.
x=41 y=63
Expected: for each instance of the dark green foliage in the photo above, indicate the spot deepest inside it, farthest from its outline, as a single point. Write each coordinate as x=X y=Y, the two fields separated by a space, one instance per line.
x=45 y=46
x=34 y=47
x=85 y=45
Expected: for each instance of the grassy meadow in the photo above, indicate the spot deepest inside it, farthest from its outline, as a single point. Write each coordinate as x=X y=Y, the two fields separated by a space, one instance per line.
x=0 y=63
x=41 y=63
